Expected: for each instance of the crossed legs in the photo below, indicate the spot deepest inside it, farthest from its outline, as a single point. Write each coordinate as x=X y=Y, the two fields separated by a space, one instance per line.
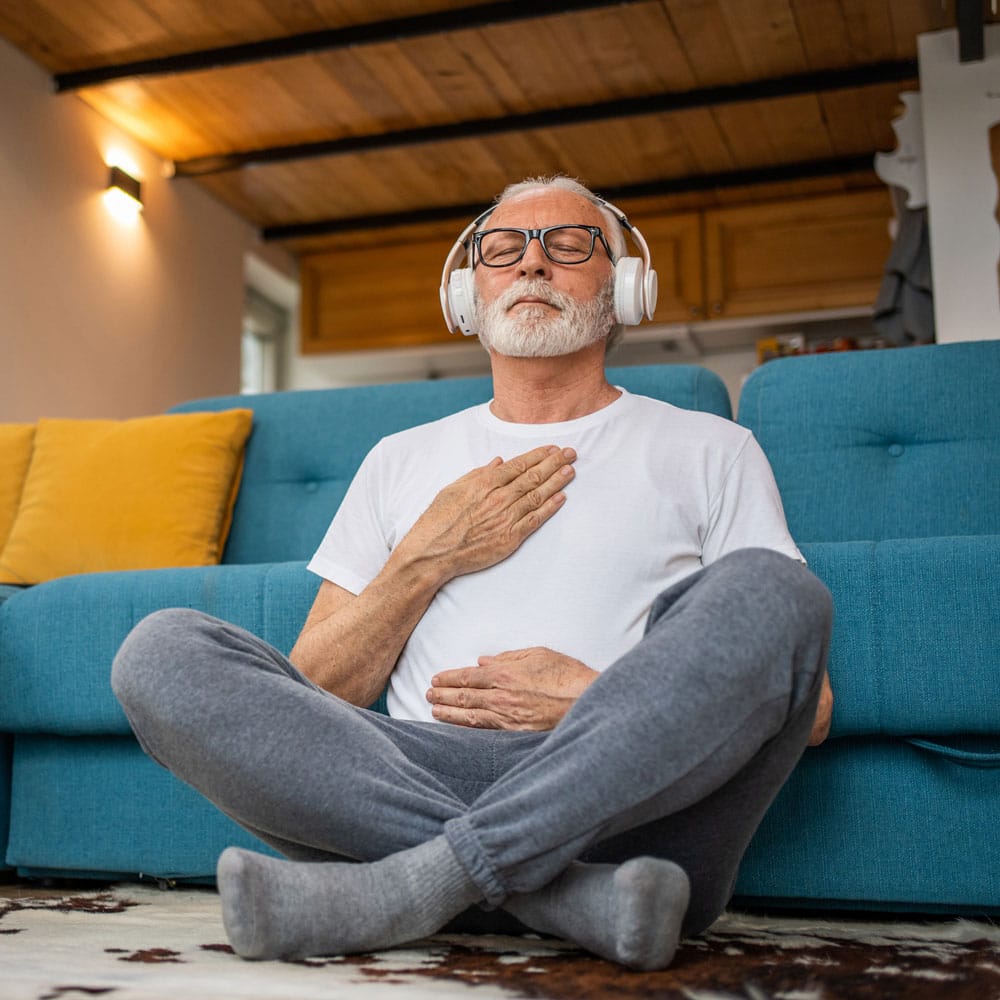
x=703 y=720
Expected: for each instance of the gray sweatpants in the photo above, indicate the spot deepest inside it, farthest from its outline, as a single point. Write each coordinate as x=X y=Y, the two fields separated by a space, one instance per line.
x=675 y=750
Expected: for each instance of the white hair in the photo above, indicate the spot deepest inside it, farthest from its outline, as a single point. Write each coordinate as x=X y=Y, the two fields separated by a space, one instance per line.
x=613 y=230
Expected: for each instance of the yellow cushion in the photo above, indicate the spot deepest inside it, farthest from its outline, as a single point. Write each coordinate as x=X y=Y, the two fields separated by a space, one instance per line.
x=15 y=454
x=131 y=494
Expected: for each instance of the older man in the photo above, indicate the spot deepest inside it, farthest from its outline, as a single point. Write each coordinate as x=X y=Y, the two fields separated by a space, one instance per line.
x=607 y=613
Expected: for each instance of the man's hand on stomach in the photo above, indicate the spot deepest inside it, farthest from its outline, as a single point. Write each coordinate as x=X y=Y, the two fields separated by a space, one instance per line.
x=528 y=689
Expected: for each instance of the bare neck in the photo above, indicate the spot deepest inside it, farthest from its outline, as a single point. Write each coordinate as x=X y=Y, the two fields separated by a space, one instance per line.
x=550 y=390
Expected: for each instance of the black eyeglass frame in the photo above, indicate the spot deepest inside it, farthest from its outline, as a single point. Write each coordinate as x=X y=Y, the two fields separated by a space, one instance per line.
x=596 y=233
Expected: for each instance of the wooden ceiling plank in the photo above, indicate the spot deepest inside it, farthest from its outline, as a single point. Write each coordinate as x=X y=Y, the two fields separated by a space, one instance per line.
x=822 y=29
x=601 y=44
x=388 y=94
x=765 y=37
x=709 y=149
x=703 y=33
x=327 y=104
x=870 y=29
x=94 y=27
x=746 y=134
x=391 y=66
x=527 y=57
x=42 y=34
x=655 y=45
x=455 y=77
x=795 y=126
x=510 y=91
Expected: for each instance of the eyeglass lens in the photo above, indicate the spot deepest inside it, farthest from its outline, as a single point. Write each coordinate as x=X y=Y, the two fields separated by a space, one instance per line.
x=562 y=244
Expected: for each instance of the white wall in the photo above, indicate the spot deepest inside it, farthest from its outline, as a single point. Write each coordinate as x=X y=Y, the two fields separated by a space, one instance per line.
x=960 y=102
x=98 y=318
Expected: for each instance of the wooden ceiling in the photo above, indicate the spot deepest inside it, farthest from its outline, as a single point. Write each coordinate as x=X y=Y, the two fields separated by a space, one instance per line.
x=321 y=120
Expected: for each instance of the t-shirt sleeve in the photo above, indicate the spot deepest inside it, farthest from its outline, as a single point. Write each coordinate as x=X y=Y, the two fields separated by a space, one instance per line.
x=355 y=547
x=747 y=512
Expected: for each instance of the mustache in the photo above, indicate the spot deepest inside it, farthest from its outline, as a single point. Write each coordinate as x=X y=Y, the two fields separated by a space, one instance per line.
x=535 y=288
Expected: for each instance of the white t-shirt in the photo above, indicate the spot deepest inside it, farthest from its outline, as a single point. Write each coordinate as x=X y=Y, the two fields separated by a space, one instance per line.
x=658 y=493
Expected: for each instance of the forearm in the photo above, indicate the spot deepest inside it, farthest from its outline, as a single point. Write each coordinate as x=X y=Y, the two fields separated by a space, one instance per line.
x=350 y=647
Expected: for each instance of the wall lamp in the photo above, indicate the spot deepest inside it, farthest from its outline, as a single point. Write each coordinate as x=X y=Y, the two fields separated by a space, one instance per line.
x=123 y=194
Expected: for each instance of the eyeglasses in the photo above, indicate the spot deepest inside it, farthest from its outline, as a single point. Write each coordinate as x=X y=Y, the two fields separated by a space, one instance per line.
x=562 y=244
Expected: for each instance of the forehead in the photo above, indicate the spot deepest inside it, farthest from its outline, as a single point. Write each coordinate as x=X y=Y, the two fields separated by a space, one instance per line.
x=545 y=207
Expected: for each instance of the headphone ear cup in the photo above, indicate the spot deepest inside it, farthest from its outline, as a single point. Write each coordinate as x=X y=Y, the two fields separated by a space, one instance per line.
x=651 y=286
x=628 y=291
x=461 y=301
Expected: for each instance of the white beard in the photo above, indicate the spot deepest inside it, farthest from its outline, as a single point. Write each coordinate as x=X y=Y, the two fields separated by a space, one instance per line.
x=533 y=331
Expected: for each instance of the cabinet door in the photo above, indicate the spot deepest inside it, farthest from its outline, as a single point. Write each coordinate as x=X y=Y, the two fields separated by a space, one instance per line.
x=373 y=297
x=675 y=249
x=814 y=253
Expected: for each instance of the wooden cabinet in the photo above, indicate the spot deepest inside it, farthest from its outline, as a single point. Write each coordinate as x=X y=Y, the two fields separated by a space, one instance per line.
x=747 y=260
x=373 y=297
x=675 y=245
x=815 y=253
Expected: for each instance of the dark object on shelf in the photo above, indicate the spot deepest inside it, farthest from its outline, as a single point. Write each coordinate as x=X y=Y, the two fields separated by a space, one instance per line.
x=904 y=309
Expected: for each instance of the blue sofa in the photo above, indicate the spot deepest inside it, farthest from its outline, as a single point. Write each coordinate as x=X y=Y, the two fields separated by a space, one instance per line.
x=78 y=798
x=888 y=465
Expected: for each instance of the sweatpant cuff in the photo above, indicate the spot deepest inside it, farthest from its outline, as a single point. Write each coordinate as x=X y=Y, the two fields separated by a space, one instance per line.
x=467 y=848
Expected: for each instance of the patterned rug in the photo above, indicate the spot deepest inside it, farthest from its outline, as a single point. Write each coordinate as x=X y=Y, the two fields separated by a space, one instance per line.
x=135 y=942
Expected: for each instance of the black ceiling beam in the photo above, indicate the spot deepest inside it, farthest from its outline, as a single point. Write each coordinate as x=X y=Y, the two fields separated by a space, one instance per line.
x=391 y=30
x=478 y=128
x=970 y=19
x=774 y=173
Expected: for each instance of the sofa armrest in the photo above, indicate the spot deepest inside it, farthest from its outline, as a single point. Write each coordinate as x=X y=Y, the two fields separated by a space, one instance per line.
x=57 y=640
x=916 y=649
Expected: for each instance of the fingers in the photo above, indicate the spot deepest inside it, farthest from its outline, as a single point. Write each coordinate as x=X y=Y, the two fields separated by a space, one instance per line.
x=534 y=484
x=533 y=467
x=462 y=677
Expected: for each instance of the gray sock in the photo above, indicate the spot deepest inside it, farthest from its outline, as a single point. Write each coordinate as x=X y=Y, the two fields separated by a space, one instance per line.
x=629 y=913
x=273 y=908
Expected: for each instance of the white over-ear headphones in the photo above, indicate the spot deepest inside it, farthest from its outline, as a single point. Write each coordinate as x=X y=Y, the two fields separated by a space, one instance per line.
x=635 y=280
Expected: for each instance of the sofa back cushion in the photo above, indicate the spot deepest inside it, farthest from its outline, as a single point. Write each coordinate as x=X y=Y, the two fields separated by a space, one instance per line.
x=306 y=445
x=873 y=445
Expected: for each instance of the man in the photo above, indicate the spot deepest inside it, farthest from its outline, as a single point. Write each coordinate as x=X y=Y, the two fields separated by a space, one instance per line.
x=607 y=613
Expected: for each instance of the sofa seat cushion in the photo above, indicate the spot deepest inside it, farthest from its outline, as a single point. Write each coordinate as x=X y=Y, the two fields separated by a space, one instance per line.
x=58 y=640
x=915 y=645
x=876 y=822
x=108 y=810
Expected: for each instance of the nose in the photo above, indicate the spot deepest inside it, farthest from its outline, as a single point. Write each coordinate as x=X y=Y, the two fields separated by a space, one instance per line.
x=534 y=263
